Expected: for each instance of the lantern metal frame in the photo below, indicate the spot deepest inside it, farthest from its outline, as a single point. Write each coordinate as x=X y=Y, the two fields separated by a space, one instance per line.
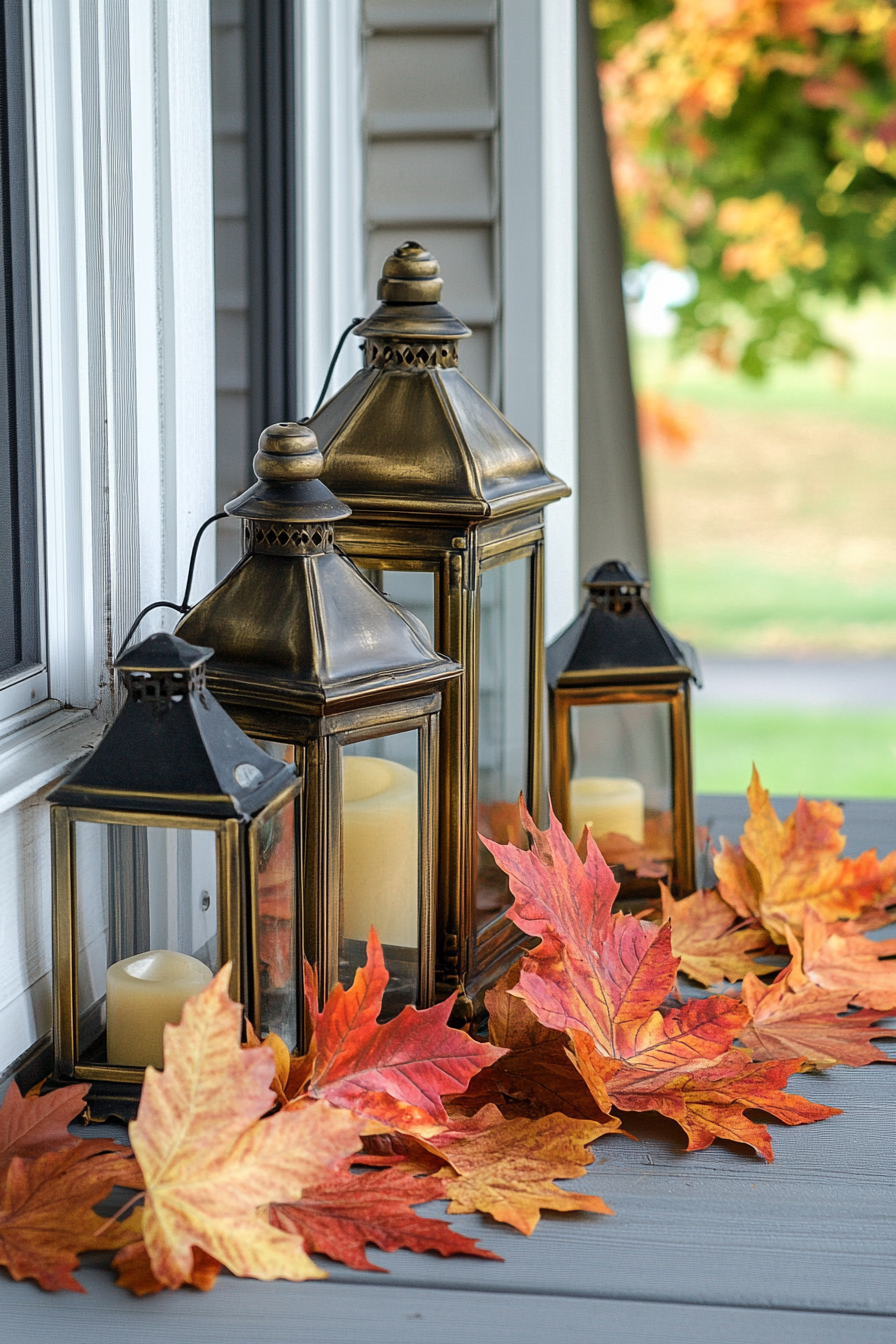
x=119 y=785
x=309 y=652
x=439 y=482
x=658 y=669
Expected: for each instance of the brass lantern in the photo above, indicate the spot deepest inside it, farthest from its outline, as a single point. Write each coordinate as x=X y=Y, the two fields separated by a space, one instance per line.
x=447 y=505
x=310 y=657
x=171 y=844
x=620 y=740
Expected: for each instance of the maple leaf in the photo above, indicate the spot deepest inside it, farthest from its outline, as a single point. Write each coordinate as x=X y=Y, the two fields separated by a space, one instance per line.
x=508 y=1167
x=211 y=1164
x=135 y=1271
x=708 y=1103
x=397 y=1071
x=781 y=867
x=339 y=1217
x=603 y=979
x=790 y=1018
x=32 y=1125
x=838 y=956
x=709 y=940
x=47 y=1218
x=536 y=1077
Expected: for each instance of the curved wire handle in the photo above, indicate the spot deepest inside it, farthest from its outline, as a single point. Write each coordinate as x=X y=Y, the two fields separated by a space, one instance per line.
x=184 y=606
x=336 y=353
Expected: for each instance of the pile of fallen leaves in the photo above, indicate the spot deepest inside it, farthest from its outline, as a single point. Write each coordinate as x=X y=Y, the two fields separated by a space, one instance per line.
x=246 y=1157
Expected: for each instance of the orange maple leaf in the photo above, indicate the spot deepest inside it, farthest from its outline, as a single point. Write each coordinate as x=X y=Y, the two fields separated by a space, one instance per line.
x=211 y=1164
x=710 y=941
x=47 y=1218
x=508 y=1167
x=838 y=956
x=603 y=979
x=135 y=1271
x=537 y=1077
x=395 y=1072
x=33 y=1124
x=780 y=868
x=339 y=1217
x=794 y=1017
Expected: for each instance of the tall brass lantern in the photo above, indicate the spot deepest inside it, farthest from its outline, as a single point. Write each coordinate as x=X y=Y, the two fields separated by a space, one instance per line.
x=447 y=505
x=620 y=738
x=310 y=657
x=169 y=844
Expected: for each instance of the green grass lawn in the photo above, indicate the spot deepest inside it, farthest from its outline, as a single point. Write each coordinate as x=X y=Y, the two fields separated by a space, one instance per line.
x=821 y=754
x=739 y=605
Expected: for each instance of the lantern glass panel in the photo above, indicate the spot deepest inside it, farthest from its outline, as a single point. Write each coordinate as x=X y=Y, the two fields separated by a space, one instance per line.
x=413 y=589
x=275 y=852
x=504 y=642
x=381 y=861
x=621 y=775
x=138 y=889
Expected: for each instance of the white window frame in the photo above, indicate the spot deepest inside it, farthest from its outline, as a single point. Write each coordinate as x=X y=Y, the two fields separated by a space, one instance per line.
x=123 y=316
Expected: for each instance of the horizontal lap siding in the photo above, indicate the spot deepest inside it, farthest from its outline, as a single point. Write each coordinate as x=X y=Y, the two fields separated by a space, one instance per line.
x=432 y=167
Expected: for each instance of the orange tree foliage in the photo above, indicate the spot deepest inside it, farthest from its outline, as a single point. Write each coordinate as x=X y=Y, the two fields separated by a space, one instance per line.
x=755 y=142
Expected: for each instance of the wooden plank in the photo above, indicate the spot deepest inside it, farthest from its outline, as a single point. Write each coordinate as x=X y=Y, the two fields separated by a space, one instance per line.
x=328 y=1313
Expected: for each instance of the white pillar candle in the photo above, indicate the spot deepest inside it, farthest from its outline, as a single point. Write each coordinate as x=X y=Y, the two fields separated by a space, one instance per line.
x=380 y=845
x=142 y=994
x=606 y=805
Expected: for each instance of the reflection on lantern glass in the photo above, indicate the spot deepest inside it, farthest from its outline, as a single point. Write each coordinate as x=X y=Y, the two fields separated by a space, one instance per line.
x=503 y=722
x=621 y=781
x=381 y=861
x=277 y=919
x=147 y=920
x=414 y=590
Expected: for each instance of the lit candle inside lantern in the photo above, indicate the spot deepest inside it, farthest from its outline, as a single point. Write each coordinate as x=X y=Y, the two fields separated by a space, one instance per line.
x=142 y=994
x=606 y=805
x=379 y=850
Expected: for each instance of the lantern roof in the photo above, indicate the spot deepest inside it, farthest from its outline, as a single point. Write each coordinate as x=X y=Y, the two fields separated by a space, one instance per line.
x=409 y=435
x=172 y=749
x=296 y=626
x=616 y=637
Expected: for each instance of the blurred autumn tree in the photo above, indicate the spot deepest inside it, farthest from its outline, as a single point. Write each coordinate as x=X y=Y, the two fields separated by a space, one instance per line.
x=755 y=142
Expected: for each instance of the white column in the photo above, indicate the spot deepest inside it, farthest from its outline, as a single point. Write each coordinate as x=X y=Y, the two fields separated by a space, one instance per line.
x=331 y=202
x=122 y=130
x=539 y=268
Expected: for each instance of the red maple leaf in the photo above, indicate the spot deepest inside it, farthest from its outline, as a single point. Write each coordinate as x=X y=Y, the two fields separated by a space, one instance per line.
x=339 y=1217
x=396 y=1072
x=603 y=978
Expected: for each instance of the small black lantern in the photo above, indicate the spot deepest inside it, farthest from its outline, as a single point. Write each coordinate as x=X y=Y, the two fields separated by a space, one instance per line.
x=173 y=845
x=620 y=738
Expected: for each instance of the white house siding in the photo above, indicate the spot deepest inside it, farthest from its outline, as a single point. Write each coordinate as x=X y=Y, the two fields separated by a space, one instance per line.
x=469 y=121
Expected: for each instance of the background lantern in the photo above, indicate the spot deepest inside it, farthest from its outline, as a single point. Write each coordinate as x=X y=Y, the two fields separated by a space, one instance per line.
x=172 y=843
x=311 y=656
x=447 y=516
x=620 y=745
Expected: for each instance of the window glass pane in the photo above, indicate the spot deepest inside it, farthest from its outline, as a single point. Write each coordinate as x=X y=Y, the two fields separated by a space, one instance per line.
x=621 y=780
x=381 y=861
x=503 y=721
x=277 y=917
x=19 y=625
x=143 y=893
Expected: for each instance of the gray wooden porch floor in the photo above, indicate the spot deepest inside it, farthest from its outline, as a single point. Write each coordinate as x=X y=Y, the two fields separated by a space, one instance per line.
x=713 y=1247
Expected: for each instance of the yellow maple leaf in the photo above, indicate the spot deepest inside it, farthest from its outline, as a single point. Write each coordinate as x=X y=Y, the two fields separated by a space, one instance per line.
x=212 y=1165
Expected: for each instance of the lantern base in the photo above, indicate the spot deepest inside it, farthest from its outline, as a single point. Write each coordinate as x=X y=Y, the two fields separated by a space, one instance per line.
x=104 y=1100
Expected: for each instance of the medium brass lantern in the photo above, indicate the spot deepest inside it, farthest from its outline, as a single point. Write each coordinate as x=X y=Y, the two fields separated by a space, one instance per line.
x=447 y=507
x=311 y=658
x=620 y=740
x=173 y=846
